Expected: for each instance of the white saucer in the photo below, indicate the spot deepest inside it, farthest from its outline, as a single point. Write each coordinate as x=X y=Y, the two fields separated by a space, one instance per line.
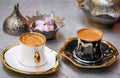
x=10 y=60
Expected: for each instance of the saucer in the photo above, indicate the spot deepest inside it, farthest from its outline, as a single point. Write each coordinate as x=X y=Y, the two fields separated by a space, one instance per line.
x=109 y=54
x=9 y=59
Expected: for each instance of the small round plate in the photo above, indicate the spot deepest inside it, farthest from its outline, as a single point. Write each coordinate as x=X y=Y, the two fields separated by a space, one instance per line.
x=10 y=60
x=109 y=53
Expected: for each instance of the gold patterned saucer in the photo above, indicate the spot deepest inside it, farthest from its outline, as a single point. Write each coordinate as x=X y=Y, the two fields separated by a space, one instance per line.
x=10 y=60
x=109 y=52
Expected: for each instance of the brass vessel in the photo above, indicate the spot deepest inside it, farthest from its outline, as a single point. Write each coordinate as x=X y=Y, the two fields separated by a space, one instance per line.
x=15 y=24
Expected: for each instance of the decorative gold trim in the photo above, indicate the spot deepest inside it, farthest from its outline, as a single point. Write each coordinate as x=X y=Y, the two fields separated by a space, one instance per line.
x=40 y=16
x=82 y=66
x=54 y=69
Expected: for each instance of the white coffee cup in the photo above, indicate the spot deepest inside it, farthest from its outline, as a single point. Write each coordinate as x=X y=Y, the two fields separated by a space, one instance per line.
x=32 y=49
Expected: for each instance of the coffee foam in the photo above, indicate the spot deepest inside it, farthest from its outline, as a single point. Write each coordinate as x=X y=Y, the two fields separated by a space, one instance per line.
x=32 y=39
x=89 y=34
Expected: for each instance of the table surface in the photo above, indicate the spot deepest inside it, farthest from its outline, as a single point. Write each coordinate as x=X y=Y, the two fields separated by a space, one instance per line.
x=74 y=19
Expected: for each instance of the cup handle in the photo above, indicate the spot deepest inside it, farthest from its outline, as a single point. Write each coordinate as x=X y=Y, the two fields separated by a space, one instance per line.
x=37 y=57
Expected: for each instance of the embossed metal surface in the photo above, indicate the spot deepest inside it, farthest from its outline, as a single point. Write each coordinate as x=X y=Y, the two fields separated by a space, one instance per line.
x=104 y=12
x=15 y=24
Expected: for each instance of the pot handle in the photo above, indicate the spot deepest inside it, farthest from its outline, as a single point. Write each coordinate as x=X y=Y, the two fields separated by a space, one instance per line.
x=80 y=3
